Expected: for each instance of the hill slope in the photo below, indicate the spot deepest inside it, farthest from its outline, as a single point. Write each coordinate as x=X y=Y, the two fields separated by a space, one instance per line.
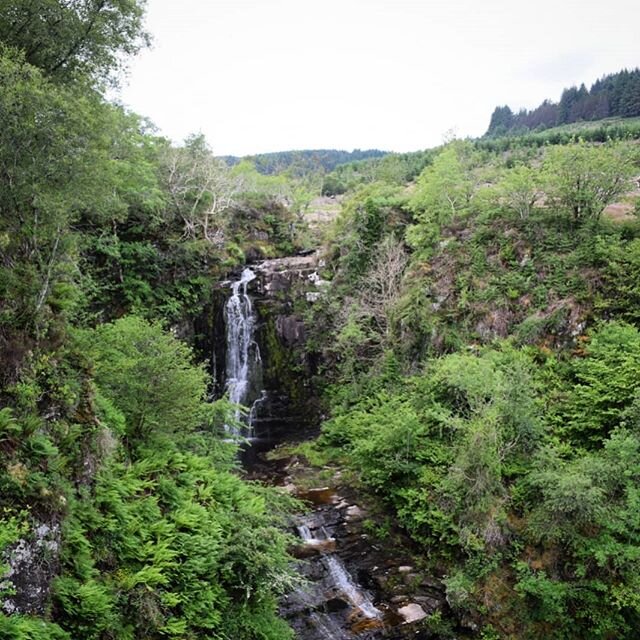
x=306 y=160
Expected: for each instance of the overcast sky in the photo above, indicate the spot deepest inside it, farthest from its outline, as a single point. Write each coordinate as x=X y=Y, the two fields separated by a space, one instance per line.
x=270 y=75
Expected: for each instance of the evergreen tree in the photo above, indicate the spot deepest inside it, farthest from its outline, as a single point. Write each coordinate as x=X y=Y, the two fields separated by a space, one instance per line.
x=613 y=95
x=630 y=96
x=501 y=121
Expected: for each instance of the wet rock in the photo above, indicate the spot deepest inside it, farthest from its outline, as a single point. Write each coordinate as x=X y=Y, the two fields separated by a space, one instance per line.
x=253 y=253
x=382 y=581
x=314 y=547
x=290 y=329
x=430 y=604
x=431 y=583
x=361 y=625
x=354 y=512
x=399 y=599
x=276 y=282
x=336 y=604
x=412 y=613
x=297 y=263
x=318 y=626
x=317 y=496
x=469 y=623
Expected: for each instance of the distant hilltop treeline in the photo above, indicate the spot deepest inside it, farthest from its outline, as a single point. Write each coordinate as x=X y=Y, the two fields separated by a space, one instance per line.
x=305 y=161
x=615 y=95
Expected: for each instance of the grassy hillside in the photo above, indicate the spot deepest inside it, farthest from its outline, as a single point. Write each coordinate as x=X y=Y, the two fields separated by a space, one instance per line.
x=597 y=131
x=578 y=127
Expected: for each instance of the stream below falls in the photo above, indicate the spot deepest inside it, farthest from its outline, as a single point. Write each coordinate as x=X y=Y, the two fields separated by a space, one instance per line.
x=354 y=587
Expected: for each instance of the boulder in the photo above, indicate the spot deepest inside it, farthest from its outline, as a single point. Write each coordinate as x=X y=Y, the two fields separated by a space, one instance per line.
x=314 y=547
x=354 y=512
x=412 y=613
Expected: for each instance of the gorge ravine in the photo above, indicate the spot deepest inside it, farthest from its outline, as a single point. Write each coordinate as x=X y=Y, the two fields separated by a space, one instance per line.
x=354 y=587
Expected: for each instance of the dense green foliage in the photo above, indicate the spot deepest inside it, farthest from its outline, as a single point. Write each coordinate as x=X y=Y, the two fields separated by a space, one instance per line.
x=490 y=403
x=480 y=340
x=122 y=512
x=135 y=474
x=82 y=40
x=393 y=168
x=614 y=95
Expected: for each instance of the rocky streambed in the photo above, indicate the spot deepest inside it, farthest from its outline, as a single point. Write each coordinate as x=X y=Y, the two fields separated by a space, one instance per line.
x=357 y=586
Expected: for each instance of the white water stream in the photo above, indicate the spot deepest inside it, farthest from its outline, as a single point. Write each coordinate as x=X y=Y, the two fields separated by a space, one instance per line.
x=243 y=354
x=349 y=588
x=339 y=575
x=326 y=627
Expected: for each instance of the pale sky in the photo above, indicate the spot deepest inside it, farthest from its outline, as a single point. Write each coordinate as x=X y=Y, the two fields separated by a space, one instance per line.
x=271 y=75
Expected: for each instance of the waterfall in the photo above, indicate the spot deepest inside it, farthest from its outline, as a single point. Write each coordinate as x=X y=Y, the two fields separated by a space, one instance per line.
x=243 y=354
x=345 y=583
x=338 y=575
x=257 y=403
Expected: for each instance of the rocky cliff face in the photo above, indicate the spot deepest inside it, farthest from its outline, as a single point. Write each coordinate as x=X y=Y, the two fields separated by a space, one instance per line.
x=286 y=287
x=281 y=293
x=32 y=564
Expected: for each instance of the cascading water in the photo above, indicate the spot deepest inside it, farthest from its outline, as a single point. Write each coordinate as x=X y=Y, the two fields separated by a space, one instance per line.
x=345 y=583
x=243 y=354
x=338 y=576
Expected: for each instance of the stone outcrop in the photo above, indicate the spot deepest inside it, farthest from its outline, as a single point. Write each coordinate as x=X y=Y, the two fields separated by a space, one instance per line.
x=357 y=588
x=32 y=562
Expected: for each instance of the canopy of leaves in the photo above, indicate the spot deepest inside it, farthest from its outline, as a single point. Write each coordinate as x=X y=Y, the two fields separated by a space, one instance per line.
x=584 y=179
x=80 y=39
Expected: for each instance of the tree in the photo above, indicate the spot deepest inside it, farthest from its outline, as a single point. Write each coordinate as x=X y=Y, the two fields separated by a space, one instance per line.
x=381 y=286
x=201 y=187
x=567 y=100
x=445 y=188
x=74 y=39
x=54 y=143
x=520 y=189
x=583 y=179
x=501 y=121
x=149 y=376
x=605 y=382
x=366 y=218
x=630 y=96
